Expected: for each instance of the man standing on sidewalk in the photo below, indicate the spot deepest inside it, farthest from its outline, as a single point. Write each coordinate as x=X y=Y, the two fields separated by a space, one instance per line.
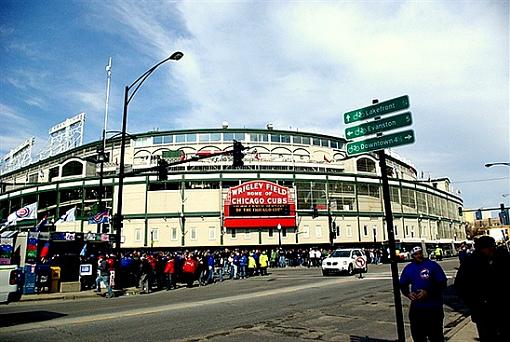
x=104 y=277
x=427 y=280
x=483 y=281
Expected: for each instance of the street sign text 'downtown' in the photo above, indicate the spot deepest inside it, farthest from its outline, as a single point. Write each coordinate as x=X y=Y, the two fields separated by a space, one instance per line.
x=380 y=143
x=393 y=122
x=378 y=109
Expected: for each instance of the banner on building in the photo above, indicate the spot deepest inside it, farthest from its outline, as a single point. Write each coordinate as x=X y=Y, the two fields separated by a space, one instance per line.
x=259 y=204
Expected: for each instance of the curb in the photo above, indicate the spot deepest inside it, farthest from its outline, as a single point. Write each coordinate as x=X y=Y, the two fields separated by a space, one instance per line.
x=462 y=323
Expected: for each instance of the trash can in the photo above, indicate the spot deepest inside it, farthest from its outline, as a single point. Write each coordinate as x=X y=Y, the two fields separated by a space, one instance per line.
x=43 y=283
x=55 y=278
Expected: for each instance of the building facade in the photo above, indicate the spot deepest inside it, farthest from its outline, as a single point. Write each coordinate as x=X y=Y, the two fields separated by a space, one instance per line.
x=295 y=188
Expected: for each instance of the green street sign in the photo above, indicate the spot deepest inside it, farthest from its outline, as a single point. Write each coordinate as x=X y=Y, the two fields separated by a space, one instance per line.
x=177 y=154
x=393 y=122
x=380 y=143
x=378 y=109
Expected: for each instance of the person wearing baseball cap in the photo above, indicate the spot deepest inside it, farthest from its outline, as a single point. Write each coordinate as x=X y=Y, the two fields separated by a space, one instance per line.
x=482 y=282
x=423 y=281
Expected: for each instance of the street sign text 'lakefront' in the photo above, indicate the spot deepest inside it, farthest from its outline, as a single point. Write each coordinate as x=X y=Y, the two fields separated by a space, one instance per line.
x=378 y=109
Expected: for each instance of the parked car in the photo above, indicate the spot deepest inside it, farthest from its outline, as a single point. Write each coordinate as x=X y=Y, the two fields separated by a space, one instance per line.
x=11 y=282
x=345 y=260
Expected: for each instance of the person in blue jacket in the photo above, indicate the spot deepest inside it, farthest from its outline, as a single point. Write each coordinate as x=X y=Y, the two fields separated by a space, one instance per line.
x=423 y=281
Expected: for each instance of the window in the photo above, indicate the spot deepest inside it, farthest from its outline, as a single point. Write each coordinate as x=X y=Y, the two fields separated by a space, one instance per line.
x=154 y=234
x=193 y=233
x=173 y=233
x=271 y=232
x=233 y=233
x=142 y=142
x=138 y=234
x=406 y=231
x=284 y=232
x=348 y=230
x=338 y=230
x=203 y=137
x=365 y=165
x=334 y=144
x=316 y=141
x=365 y=189
x=191 y=137
x=365 y=230
x=73 y=168
x=180 y=138
x=212 y=233
x=408 y=198
x=257 y=137
x=396 y=230
x=394 y=194
x=318 y=231
x=238 y=136
x=52 y=173
x=157 y=140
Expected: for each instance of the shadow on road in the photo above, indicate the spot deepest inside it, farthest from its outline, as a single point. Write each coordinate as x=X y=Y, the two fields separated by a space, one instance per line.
x=7 y=320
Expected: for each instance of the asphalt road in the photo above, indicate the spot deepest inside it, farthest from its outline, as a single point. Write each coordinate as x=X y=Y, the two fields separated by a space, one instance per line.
x=294 y=304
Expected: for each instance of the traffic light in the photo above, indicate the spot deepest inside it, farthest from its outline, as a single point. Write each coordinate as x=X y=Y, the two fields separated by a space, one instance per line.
x=332 y=232
x=162 y=170
x=238 y=154
x=503 y=215
x=478 y=214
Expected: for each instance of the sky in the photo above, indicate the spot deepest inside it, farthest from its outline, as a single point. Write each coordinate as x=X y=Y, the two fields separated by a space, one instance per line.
x=296 y=64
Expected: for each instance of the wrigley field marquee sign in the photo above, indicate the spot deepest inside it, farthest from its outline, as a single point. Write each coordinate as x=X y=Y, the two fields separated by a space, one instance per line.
x=259 y=204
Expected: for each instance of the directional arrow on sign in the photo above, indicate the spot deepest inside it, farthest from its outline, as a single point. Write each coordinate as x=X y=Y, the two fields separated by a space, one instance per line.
x=380 y=143
x=383 y=125
x=378 y=109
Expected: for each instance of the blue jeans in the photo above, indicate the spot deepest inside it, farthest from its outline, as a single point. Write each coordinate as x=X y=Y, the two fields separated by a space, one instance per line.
x=105 y=280
x=242 y=271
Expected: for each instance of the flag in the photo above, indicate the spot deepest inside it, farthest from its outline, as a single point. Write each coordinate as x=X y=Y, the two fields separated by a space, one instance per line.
x=69 y=216
x=84 y=250
x=45 y=250
x=28 y=212
x=101 y=217
x=42 y=223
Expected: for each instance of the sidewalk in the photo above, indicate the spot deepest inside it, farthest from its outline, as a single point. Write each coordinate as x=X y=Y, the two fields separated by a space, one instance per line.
x=76 y=295
x=465 y=331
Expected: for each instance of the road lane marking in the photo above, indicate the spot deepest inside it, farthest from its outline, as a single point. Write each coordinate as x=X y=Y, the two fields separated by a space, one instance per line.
x=173 y=307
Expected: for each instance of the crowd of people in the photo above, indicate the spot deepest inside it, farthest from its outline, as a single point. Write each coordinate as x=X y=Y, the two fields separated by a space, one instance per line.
x=151 y=271
x=158 y=270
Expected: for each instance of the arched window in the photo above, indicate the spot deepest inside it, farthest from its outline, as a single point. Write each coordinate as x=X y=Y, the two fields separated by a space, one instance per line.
x=73 y=168
x=365 y=165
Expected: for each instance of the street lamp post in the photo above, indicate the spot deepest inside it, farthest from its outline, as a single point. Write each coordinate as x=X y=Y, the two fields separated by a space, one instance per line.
x=499 y=163
x=127 y=98
x=279 y=228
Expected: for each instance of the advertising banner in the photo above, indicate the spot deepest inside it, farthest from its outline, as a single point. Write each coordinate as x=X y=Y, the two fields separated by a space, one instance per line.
x=259 y=204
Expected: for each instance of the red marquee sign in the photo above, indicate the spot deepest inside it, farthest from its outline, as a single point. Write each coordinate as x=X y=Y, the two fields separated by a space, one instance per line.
x=259 y=204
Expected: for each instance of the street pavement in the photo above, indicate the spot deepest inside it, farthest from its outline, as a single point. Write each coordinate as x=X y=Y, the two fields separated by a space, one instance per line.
x=461 y=330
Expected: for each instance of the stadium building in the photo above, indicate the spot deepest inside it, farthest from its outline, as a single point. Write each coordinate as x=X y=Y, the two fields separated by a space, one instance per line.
x=295 y=188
